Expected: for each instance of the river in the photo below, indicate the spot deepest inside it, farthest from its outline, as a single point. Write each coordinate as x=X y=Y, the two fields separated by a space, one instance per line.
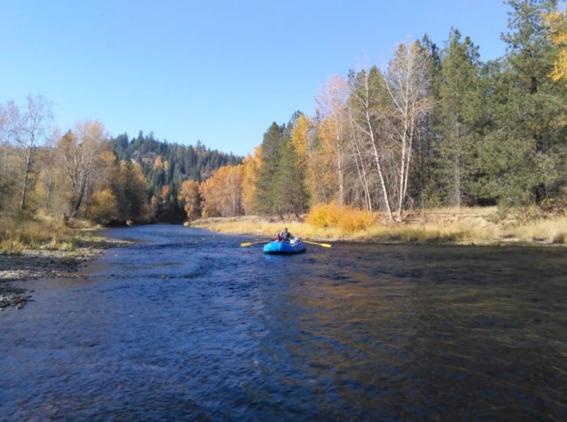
x=185 y=324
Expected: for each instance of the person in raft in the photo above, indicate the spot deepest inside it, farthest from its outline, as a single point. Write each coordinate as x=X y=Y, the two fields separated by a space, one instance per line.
x=284 y=236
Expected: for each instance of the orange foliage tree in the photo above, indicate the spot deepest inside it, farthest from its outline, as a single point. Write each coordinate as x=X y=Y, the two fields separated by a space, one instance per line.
x=222 y=192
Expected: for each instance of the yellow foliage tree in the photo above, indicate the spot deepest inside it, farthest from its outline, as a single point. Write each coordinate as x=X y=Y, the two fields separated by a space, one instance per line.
x=250 y=168
x=158 y=163
x=191 y=198
x=557 y=27
x=300 y=138
x=321 y=177
x=129 y=185
x=104 y=207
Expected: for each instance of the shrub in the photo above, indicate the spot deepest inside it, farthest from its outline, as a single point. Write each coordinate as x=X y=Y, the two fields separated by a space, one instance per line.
x=353 y=220
x=324 y=215
x=346 y=219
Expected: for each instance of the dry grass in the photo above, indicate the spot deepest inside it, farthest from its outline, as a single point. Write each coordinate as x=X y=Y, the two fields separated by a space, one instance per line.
x=42 y=232
x=546 y=230
x=466 y=226
x=259 y=226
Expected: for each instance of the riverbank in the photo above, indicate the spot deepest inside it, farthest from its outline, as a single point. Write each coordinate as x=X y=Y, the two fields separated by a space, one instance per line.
x=44 y=248
x=464 y=226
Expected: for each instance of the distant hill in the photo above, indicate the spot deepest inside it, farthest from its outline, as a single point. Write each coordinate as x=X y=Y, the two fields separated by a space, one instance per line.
x=166 y=165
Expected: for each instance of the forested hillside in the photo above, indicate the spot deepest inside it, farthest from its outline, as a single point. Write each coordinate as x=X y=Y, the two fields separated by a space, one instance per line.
x=435 y=127
x=165 y=166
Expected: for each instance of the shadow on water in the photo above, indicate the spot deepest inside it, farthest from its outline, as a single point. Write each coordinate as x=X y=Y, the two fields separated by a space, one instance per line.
x=187 y=324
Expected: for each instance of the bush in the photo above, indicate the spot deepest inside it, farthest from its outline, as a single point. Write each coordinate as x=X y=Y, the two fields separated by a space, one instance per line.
x=324 y=215
x=346 y=219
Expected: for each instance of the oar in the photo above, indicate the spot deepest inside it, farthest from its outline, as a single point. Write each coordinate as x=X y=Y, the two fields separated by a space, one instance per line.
x=325 y=245
x=246 y=244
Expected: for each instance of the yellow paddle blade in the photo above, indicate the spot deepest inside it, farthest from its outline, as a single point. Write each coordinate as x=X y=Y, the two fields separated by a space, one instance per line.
x=324 y=245
x=246 y=244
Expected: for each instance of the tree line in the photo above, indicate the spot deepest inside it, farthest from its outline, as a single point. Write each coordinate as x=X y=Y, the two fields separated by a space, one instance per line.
x=434 y=127
x=86 y=173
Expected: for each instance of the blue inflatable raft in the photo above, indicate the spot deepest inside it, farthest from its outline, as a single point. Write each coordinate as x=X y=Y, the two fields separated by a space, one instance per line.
x=284 y=248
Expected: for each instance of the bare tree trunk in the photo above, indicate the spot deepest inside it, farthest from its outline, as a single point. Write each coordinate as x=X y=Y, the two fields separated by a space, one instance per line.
x=340 y=170
x=26 y=179
x=458 y=165
x=375 y=152
x=409 y=154
x=79 y=199
x=360 y=167
x=341 y=177
x=379 y=168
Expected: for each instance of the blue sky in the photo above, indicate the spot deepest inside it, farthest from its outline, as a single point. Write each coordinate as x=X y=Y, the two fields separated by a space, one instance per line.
x=218 y=71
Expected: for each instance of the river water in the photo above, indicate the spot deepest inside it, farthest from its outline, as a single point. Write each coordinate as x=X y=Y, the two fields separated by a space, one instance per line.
x=186 y=324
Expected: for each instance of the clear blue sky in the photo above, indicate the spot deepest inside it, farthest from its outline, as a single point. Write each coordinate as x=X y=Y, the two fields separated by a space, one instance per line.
x=216 y=71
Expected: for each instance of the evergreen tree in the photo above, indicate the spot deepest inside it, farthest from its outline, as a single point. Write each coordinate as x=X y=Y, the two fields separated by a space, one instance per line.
x=425 y=183
x=273 y=139
x=531 y=106
x=458 y=110
x=289 y=195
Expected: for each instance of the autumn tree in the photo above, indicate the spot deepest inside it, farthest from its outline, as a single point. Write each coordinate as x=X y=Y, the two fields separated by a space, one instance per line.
x=222 y=192
x=84 y=155
x=320 y=177
x=104 y=206
x=556 y=21
x=368 y=93
x=129 y=188
x=331 y=106
x=191 y=199
x=250 y=168
x=28 y=128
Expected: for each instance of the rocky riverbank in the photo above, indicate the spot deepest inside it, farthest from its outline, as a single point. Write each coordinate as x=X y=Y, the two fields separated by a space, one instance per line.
x=34 y=264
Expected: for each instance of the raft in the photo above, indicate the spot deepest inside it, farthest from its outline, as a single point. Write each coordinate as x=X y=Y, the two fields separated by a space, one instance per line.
x=284 y=248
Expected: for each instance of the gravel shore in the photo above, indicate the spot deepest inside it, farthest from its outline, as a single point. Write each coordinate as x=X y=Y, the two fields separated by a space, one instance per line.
x=35 y=264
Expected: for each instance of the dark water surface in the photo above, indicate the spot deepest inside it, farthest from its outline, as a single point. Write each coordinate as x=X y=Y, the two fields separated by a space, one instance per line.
x=188 y=325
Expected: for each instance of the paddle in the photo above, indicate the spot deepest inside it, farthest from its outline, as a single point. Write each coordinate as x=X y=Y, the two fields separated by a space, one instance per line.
x=324 y=245
x=246 y=244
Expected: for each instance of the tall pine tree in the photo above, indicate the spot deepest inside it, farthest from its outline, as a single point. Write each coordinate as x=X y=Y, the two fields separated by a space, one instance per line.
x=458 y=110
x=270 y=158
x=530 y=128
